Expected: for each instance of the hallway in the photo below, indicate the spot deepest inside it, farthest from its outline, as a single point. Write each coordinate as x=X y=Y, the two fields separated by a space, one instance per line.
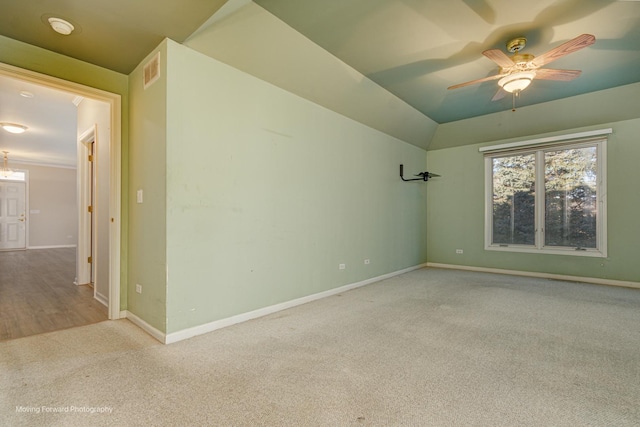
x=37 y=293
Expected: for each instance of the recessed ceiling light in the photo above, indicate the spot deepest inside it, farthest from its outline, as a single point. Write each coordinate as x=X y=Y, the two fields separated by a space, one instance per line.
x=13 y=127
x=61 y=26
x=26 y=94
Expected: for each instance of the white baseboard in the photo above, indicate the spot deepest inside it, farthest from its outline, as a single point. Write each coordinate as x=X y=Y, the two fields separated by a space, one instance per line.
x=594 y=280
x=223 y=323
x=102 y=299
x=51 y=247
x=157 y=334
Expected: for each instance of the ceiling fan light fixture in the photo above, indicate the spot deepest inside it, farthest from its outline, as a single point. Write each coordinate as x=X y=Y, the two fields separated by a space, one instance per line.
x=13 y=127
x=516 y=82
x=61 y=26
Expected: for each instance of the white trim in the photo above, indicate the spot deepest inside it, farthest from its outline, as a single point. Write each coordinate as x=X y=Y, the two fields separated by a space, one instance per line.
x=539 y=246
x=85 y=185
x=546 y=140
x=101 y=299
x=602 y=189
x=229 y=321
x=27 y=206
x=115 y=209
x=50 y=247
x=48 y=165
x=547 y=250
x=592 y=280
x=115 y=110
x=155 y=333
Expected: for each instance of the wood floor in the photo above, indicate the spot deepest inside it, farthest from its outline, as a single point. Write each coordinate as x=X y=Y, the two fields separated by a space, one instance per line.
x=37 y=293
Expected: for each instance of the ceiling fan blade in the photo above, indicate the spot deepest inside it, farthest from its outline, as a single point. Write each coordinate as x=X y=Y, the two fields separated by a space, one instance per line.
x=501 y=93
x=552 y=74
x=472 y=82
x=564 y=49
x=499 y=57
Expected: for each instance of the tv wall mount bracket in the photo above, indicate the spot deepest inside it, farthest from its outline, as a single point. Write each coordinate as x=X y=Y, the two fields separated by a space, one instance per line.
x=424 y=176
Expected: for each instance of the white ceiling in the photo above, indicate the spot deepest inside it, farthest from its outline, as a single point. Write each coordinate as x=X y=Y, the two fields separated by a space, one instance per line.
x=51 y=118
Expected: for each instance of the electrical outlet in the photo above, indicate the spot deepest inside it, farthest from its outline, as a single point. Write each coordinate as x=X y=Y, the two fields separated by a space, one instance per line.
x=367 y=262
x=342 y=266
x=139 y=196
x=459 y=251
x=138 y=288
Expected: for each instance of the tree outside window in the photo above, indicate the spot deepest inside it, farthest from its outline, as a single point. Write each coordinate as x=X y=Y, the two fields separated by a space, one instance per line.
x=546 y=199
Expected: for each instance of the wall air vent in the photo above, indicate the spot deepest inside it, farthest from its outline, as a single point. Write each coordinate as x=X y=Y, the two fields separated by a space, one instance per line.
x=152 y=71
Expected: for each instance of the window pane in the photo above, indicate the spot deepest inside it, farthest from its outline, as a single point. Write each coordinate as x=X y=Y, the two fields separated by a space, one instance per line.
x=15 y=176
x=570 y=197
x=514 y=199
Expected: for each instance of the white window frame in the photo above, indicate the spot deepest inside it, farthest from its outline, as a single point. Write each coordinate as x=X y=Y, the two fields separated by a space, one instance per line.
x=539 y=149
x=18 y=175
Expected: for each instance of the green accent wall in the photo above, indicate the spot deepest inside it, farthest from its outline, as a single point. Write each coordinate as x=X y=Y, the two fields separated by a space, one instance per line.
x=267 y=193
x=456 y=209
x=43 y=61
x=147 y=173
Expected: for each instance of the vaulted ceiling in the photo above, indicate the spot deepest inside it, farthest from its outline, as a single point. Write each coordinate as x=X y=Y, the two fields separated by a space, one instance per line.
x=415 y=49
x=418 y=48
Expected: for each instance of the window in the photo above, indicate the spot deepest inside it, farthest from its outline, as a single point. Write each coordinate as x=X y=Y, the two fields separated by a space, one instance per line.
x=548 y=199
x=15 y=176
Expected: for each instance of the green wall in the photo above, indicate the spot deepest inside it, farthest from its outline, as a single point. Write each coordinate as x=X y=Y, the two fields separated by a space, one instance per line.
x=43 y=61
x=253 y=195
x=456 y=211
x=267 y=193
x=595 y=108
x=147 y=172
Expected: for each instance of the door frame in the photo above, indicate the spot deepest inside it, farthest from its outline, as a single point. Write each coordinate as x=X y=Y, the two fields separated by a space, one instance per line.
x=26 y=209
x=115 y=168
x=86 y=221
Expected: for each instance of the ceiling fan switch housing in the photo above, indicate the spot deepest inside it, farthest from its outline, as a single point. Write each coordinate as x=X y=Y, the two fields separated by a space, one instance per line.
x=516 y=44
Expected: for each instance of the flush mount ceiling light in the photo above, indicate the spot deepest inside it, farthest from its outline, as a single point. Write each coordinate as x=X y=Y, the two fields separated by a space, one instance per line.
x=61 y=26
x=13 y=127
x=516 y=82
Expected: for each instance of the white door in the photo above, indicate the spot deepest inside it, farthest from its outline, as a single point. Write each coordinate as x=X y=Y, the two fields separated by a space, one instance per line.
x=12 y=215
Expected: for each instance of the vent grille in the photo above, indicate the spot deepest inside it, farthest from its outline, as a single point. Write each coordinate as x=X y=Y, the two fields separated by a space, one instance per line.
x=152 y=70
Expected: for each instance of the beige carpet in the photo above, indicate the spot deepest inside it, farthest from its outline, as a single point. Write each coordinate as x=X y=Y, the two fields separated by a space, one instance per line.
x=428 y=348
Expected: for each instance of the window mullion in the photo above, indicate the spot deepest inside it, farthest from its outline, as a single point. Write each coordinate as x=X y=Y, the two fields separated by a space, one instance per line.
x=539 y=200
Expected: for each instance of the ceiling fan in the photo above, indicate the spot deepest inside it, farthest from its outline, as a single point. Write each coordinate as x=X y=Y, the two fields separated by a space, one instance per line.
x=519 y=70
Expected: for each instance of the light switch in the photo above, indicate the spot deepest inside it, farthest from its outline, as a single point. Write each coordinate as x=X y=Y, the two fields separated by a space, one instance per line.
x=139 y=196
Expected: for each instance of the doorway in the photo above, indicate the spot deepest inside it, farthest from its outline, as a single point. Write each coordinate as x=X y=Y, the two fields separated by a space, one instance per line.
x=86 y=218
x=110 y=183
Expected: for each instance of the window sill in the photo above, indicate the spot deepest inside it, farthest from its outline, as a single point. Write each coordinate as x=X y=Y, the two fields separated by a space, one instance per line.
x=593 y=253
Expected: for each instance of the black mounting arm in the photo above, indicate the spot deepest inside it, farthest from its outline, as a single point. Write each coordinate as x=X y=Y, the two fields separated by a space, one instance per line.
x=424 y=176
